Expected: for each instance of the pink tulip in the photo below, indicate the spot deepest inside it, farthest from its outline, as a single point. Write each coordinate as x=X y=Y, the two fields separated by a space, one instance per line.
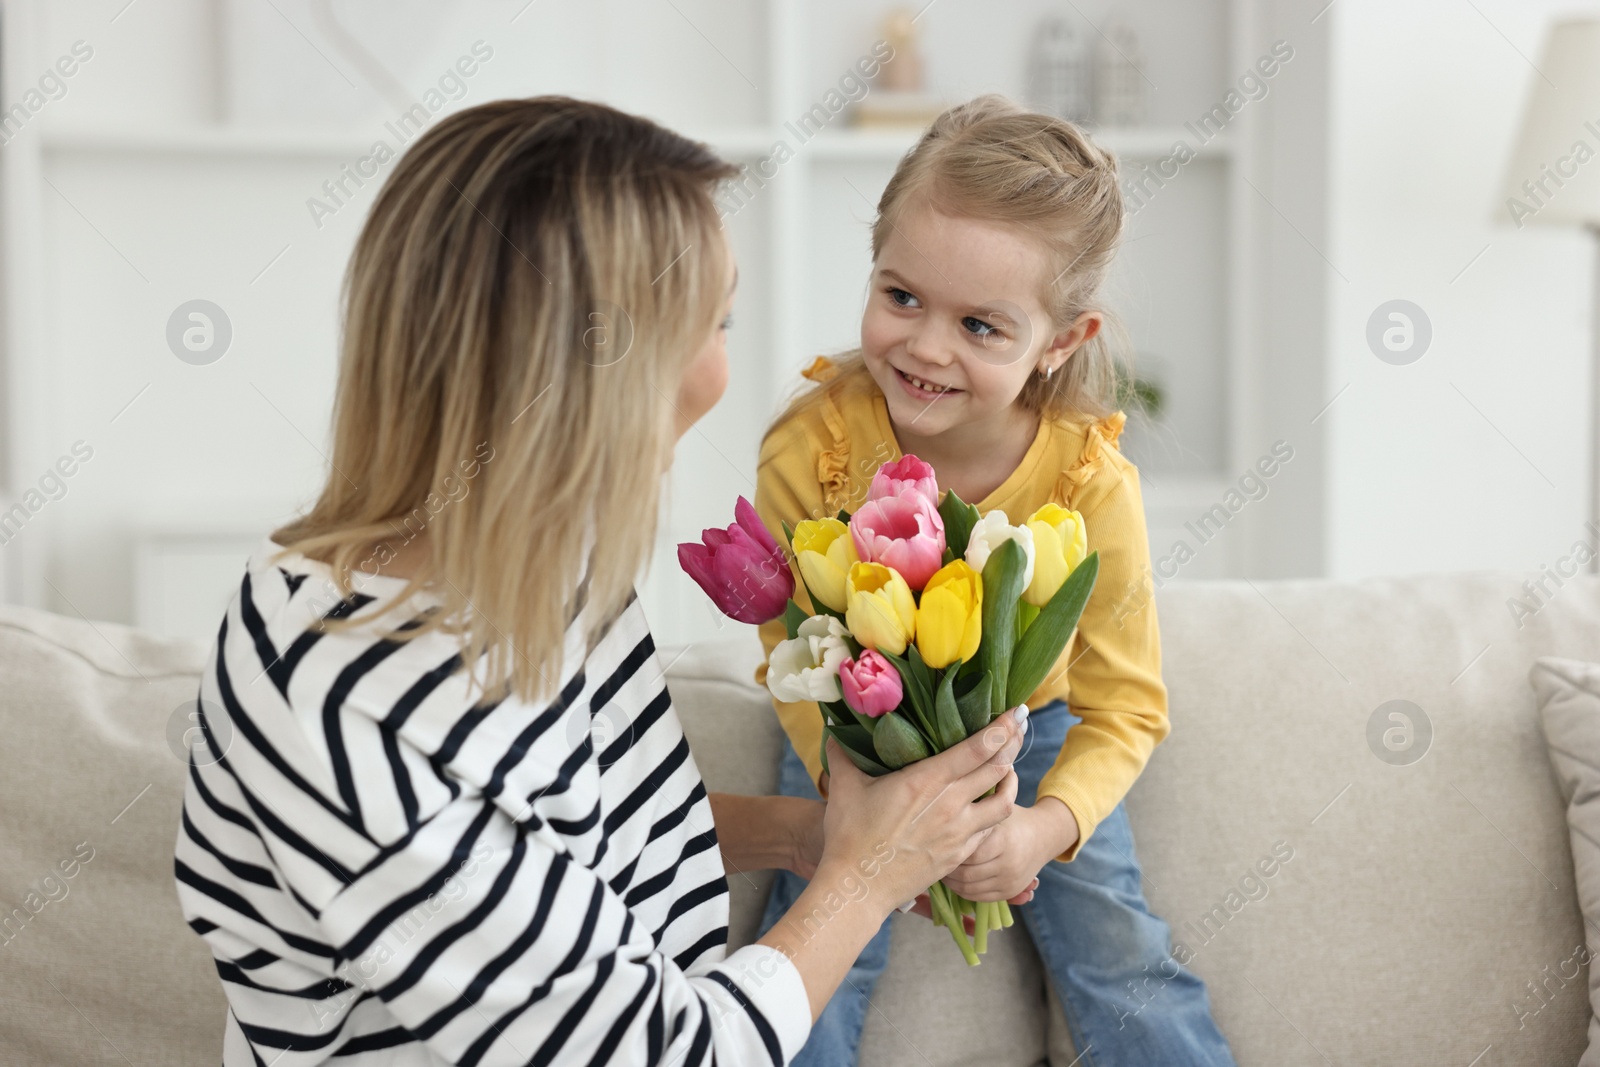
x=908 y=474
x=902 y=532
x=871 y=685
x=741 y=568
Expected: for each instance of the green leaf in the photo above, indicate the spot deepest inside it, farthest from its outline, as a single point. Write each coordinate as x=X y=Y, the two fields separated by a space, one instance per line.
x=866 y=722
x=1002 y=588
x=853 y=737
x=1026 y=613
x=788 y=534
x=864 y=760
x=833 y=713
x=898 y=743
x=959 y=519
x=1041 y=646
x=843 y=516
x=947 y=716
x=793 y=616
x=845 y=715
x=973 y=697
x=921 y=669
x=917 y=695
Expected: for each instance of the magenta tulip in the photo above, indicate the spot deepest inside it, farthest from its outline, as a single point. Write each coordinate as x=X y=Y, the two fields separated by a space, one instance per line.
x=902 y=532
x=742 y=569
x=908 y=474
x=871 y=685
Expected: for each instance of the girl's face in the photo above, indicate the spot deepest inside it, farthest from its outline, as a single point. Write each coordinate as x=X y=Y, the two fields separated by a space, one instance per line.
x=707 y=376
x=954 y=322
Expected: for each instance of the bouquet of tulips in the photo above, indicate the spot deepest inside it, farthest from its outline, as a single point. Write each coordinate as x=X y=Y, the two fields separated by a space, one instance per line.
x=931 y=620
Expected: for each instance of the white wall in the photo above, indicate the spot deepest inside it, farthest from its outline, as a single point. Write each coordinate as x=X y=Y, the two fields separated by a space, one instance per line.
x=154 y=181
x=1378 y=151
x=1476 y=455
x=168 y=173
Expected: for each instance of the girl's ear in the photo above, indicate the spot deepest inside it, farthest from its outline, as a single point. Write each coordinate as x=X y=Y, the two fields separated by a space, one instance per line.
x=1061 y=347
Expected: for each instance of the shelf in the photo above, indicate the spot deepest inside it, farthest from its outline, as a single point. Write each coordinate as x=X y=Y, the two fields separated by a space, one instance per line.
x=863 y=145
x=868 y=145
x=243 y=141
x=196 y=140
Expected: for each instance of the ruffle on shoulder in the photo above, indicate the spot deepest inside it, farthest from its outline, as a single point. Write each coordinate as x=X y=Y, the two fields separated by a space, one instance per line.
x=822 y=369
x=833 y=462
x=1102 y=434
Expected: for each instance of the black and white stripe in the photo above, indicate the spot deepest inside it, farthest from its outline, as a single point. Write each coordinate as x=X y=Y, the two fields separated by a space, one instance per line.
x=391 y=870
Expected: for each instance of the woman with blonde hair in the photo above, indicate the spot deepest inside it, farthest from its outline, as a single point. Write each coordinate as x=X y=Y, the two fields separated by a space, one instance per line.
x=404 y=839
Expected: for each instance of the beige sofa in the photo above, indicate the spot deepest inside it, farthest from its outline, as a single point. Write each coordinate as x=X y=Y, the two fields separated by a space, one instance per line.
x=1423 y=916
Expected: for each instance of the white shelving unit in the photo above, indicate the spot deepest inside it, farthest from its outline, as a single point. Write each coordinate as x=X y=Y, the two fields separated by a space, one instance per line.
x=98 y=163
x=867 y=145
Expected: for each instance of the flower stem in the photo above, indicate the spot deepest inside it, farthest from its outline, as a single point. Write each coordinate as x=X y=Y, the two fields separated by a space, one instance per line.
x=941 y=898
x=1006 y=918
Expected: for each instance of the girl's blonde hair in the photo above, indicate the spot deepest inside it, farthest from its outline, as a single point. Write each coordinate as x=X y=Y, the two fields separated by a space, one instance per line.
x=992 y=160
x=523 y=300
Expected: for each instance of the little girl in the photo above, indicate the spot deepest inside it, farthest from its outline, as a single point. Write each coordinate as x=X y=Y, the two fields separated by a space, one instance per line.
x=983 y=352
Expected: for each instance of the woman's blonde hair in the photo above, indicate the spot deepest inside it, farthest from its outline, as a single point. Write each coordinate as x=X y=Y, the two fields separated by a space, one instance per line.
x=522 y=303
x=994 y=161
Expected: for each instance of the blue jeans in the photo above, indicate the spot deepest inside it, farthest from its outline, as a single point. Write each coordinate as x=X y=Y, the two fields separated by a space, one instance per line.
x=1125 y=999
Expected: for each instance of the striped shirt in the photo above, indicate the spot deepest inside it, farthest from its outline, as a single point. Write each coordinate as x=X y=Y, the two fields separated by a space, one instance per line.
x=390 y=870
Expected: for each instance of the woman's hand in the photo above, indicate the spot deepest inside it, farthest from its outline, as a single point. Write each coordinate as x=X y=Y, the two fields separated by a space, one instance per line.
x=806 y=828
x=887 y=839
x=1010 y=856
x=913 y=826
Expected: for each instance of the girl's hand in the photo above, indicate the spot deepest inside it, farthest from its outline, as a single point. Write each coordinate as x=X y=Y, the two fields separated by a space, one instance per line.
x=906 y=830
x=1006 y=862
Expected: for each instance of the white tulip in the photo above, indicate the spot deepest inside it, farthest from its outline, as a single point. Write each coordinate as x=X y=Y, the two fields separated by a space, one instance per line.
x=806 y=667
x=992 y=531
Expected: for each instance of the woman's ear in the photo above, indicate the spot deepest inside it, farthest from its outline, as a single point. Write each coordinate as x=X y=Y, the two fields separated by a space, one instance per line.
x=1086 y=326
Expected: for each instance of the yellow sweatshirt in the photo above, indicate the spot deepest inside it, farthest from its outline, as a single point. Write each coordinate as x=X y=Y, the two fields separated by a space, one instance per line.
x=823 y=459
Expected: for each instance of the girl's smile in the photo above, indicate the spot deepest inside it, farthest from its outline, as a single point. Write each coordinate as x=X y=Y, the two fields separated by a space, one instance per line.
x=922 y=388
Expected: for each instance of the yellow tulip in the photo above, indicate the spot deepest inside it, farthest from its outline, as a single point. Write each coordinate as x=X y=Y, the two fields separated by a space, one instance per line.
x=950 y=617
x=1060 y=543
x=825 y=551
x=879 y=609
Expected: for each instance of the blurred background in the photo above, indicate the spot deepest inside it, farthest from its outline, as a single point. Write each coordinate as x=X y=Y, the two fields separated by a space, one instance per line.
x=1324 y=264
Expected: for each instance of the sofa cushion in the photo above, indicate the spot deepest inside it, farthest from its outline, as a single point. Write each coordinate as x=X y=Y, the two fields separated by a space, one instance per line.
x=98 y=964
x=1431 y=878
x=1357 y=880
x=1423 y=899
x=1568 y=691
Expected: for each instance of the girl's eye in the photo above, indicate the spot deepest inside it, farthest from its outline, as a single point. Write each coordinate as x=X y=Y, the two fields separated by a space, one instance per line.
x=977 y=327
x=727 y=323
x=901 y=297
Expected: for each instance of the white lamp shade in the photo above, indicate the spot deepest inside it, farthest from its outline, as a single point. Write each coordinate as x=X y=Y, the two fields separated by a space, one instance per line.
x=1554 y=174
